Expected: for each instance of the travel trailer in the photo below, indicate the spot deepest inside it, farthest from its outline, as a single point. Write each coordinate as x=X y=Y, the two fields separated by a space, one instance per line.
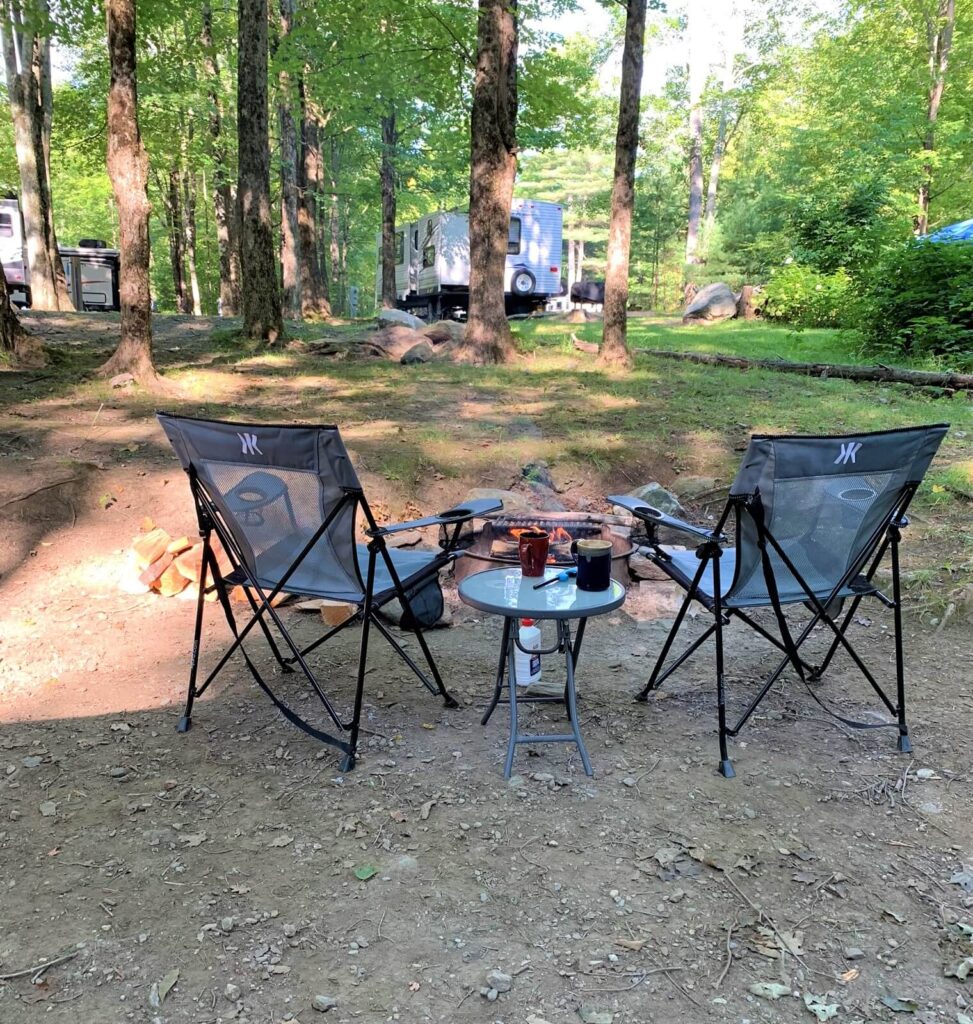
x=90 y=268
x=432 y=261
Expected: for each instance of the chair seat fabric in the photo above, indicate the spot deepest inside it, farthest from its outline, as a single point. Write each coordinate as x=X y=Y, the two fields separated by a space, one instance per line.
x=684 y=565
x=320 y=575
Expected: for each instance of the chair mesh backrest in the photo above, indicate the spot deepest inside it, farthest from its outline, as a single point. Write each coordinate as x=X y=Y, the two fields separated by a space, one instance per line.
x=274 y=487
x=827 y=502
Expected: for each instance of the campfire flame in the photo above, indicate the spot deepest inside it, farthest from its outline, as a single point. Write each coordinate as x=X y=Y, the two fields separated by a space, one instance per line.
x=557 y=536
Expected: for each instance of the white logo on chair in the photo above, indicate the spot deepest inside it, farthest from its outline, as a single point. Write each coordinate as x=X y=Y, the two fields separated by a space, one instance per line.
x=847 y=453
x=248 y=444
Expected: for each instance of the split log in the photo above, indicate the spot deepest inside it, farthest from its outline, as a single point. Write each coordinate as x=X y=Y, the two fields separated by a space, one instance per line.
x=150 y=547
x=878 y=372
x=151 y=574
x=171 y=582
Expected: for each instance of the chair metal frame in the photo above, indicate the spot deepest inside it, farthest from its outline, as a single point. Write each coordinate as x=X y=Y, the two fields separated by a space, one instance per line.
x=858 y=577
x=211 y=521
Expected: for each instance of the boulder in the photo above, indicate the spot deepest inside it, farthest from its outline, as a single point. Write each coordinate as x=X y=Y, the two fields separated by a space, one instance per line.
x=399 y=316
x=443 y=331
x=691 y=488
x=396 y=339
x=513 y=501
x=712 y=304
x=657 y=496
x=421 y=352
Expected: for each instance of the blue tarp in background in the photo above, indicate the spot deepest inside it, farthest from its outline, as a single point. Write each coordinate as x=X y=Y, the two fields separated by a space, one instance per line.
x=961 y=232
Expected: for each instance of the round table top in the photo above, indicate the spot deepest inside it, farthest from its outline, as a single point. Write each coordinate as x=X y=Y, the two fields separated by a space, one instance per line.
x=506 y=592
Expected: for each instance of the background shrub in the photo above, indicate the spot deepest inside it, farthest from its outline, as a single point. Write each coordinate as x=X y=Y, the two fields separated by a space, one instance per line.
x=809 y=298
x=919 y=302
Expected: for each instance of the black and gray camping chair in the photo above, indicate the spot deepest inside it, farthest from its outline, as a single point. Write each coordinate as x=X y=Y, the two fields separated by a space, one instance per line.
x=814 y=517
x=283 y=502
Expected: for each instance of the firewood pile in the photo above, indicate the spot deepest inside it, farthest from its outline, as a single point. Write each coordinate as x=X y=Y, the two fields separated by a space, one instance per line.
x=169 y=565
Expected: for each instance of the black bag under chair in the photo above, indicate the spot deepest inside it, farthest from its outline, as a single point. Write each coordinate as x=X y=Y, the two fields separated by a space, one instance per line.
x=814 y=517
x=283 y=501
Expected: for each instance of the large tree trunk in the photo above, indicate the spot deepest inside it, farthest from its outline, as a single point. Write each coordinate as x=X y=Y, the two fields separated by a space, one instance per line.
x=314 y=282
x=224 y=198
x=290 y=254
x=493 y=166
x=128 y=168
x=334 y=226
x=939 y=34
x=614 y=344
x=189 y=225
x=697 y=80
x=27 y=58
x=261 y=297
x=390 y=140
x=177 y=258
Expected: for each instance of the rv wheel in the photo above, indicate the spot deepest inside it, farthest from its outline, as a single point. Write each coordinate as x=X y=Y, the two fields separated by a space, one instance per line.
x=523 y=282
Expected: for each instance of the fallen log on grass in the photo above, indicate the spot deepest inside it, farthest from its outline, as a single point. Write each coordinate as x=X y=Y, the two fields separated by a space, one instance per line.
x=878 y=372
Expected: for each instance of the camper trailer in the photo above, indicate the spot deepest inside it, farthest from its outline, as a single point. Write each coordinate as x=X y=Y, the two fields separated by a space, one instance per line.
x=90 y=268
x=432 y=267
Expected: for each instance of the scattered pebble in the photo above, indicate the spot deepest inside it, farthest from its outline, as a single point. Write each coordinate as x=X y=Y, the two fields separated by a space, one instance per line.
x=324 y=1003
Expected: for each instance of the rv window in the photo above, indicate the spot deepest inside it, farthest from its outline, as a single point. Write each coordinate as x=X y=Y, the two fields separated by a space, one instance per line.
x=429 y=255
x=6 y=226
x=513 y=237
x=399 y=247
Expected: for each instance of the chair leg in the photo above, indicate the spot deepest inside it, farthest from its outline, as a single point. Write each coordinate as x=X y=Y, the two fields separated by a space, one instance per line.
x=726 y=765
x=449 y=700
x=285 y=667
x=348 y=762
x=185 y=723
x=904 y=744
x=655 y=679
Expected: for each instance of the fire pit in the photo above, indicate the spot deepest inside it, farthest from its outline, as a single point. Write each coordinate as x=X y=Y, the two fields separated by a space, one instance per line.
x=495 y=543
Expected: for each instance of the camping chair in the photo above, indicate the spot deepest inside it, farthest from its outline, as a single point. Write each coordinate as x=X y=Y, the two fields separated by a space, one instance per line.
x=283 y=500
x=814 y=518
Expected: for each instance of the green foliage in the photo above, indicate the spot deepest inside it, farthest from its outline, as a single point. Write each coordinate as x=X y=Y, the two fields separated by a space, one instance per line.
x=808 y=298
x=919 y=302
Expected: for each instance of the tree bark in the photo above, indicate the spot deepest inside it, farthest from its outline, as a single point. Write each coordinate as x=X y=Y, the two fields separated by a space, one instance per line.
x=697 y=80
x=177 y=258
x=314 y=282
x=189 y=226
x=614 y=344
x=224 y=197
x=258 y=266
x=918 y=378
x=27 y=59
x=940 y=41
x=128 y=168
x=290 y=253
x=390 y=139
x=493 y=165
x=334 y=226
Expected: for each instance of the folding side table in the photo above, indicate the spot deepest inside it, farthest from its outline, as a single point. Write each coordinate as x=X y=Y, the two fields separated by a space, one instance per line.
x=506 y=592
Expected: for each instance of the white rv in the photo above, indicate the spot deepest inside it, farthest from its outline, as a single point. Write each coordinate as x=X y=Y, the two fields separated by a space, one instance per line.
x=90 y=268
x=432 y=266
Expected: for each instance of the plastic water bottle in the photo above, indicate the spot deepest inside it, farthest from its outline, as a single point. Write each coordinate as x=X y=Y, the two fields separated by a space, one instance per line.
x=528 y=666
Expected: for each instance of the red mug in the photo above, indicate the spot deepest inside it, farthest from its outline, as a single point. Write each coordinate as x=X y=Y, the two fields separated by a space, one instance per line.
x=533 y=546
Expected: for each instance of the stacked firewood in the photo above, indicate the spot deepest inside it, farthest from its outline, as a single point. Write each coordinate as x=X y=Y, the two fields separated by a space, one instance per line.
x=169 y=565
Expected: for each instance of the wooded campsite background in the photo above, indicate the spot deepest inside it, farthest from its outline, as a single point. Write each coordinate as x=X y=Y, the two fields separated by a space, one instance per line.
x=788 y=139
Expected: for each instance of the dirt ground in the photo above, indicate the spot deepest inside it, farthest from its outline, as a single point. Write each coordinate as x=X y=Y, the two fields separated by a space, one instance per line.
x=233 y=874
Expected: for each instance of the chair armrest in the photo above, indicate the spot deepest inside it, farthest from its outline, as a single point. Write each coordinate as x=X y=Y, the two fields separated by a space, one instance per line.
x=460 y=514
x=651 y=515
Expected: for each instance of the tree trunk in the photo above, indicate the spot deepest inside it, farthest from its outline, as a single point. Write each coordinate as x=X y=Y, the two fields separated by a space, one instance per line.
x=697 y=80
x=940 y=39
x=14 y=340
x=614 y=344
x=189 y=224
x=174 y=222
x=261 y=297
x=290 y=254
x=390 y=139
x=314 y=283
x=334 y=228
x=27 y=59
x=493 y=165
x=224 y=199
x=128 y=168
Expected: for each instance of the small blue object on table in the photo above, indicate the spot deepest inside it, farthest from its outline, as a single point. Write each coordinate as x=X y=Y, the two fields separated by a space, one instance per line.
x=506 y=592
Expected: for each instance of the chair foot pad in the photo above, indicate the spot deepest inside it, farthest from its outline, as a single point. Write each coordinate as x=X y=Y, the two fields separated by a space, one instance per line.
x=905 y=744
x=185 y=724
x=450 y=701
x=726 y=769
x=286 y=669
x=642 y=697
x=347 y=763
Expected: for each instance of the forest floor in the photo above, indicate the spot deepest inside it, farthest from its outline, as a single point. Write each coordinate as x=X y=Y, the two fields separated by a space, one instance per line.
x=233 y=874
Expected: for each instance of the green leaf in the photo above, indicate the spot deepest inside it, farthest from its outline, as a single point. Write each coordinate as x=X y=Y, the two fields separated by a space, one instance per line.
x=818 y=1005
x=897 y=1005
x=365 y=871
x=769 y=989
